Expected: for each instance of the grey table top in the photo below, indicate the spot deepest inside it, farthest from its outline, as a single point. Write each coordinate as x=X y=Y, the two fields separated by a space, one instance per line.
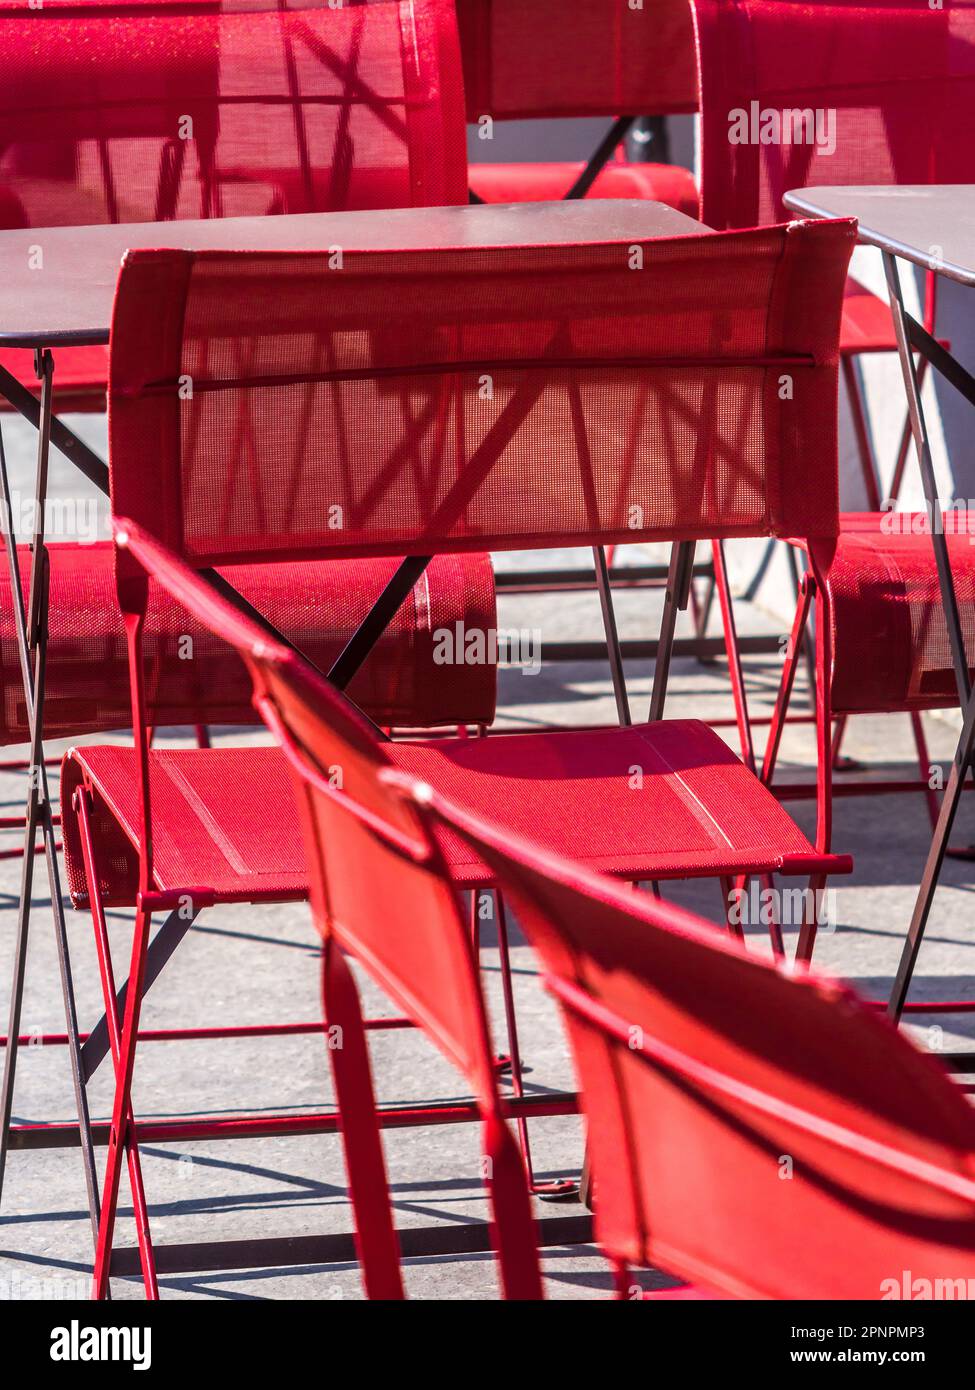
x=63 y=296
x=932 y=225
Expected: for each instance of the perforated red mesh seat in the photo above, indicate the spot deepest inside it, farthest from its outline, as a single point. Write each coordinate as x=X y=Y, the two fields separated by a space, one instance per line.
x=217 y=818
x=571 y=337
x=901 y=100
x=168 y=110
x=537 y=183
x=316 y=606
x=223 y=821
x=901 y=108
x=674 y=368
x=654 y=801
x=866 y=325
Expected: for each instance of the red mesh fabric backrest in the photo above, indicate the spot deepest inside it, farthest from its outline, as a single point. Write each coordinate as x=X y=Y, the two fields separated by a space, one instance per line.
x=896 y=78
x=457 y=399
x=527 y=58
x=398 y=916
x=115 y=113
x=701 y=1183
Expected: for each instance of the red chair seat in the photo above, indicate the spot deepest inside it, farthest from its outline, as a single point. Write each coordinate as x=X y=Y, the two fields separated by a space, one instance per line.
x=80 y=376
x=699 y=810
x=316 y=606
x=866 y=325
x=891 y=649
x=537 y=183
x=225 y=820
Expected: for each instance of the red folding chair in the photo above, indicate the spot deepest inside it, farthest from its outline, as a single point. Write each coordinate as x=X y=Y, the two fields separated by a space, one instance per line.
x=381 y=893
x=531 y=61
x=581 y=351
x=756 y=1134
x=901 y=106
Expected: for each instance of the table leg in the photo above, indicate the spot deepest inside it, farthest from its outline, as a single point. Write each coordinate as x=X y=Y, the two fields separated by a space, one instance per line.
x=949 y=601
x=31 y=630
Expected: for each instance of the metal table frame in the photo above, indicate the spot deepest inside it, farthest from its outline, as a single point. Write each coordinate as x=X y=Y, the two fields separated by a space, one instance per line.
x=913 y=337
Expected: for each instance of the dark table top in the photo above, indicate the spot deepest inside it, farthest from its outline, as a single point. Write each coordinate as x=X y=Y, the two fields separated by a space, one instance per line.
x=931 y=225
x=68 y=300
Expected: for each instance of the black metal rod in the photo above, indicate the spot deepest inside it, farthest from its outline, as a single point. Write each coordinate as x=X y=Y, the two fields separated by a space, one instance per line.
x=932 y=867
x=63 y=439
x=940 y=358
x=616 y=134
x=612 y=636
x=374 y=624
x=949 y=598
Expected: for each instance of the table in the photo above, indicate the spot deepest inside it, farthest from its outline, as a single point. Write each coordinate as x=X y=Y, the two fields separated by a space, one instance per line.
x=69 y=304
x=932 y=226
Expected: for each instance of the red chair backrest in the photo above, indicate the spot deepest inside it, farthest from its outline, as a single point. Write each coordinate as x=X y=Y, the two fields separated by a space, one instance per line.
x=893 y=81
x=538 y=58
x=120 y=113
x=764 y=1136
x=452 y=399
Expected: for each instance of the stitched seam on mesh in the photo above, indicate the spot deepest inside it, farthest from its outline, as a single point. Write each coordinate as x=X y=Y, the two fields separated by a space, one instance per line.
x=199 y=807
x=692 y=802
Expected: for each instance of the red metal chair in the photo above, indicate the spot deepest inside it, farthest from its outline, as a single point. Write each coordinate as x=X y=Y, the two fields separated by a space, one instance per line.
x=580 y=351
x=756 y=1134
x=901 y=106
x=528 y=61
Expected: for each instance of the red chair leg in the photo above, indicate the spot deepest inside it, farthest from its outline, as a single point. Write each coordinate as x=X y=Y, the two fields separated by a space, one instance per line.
x=119 y=1134
x=514 y=1226
x=811 y=917
x=734 y=655
x=787 y=679
x=107 y=974
x=621 y=1280
x=868 y=464
x=376 y=1241
x=555 y=1187
x=502 y=1062
x=924 y=766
